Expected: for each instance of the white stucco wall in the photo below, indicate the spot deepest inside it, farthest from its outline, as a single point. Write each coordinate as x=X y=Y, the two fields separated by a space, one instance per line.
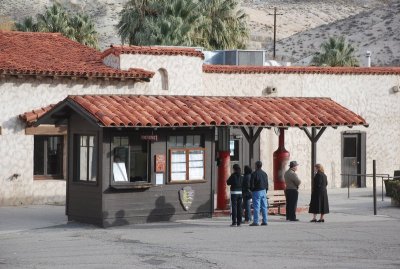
x=367 y=95
x=184 y=72
x=16 y=148
x=112 y=61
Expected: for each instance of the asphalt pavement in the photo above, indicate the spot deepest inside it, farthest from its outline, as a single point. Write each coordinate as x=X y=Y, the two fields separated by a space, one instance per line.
x=352 y=237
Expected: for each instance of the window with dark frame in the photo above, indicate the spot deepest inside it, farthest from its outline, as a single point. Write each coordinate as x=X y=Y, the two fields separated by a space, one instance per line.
x=234 y=149
x=187 y=160
x=130 y=159
x=48 y=156
x=85 y=168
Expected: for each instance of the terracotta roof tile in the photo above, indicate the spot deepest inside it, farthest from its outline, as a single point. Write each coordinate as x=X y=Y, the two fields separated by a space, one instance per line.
x=156 y=50
x=31 y=116
x=142 y=110
x=241 y=69
x=51 y=54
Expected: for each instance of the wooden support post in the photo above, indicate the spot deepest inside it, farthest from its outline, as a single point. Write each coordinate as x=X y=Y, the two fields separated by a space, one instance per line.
x=314 y=137
x=251 y=138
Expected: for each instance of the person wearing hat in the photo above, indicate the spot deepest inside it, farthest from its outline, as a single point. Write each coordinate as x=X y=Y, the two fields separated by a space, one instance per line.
x=236 y=181
x=292 y=194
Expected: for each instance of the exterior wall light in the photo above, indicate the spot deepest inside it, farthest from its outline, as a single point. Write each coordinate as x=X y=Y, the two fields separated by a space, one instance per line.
x=270 y=90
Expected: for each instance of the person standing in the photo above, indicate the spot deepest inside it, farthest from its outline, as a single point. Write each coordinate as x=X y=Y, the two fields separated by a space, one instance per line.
x=319 y=197
x=246 y=193
x=235 y=181
x=259 y=188
x=292 y=194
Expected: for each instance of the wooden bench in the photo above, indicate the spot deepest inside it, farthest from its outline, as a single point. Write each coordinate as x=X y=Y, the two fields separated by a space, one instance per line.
x=276 y=199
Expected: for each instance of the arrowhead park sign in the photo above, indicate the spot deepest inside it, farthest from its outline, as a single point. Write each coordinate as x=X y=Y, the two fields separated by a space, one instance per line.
x=186 y=196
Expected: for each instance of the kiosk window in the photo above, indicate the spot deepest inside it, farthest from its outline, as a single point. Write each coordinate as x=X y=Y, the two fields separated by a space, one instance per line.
x=188 y=141
x=130 y=159
x=86 y=158
x=187 y=164
x=48 y=156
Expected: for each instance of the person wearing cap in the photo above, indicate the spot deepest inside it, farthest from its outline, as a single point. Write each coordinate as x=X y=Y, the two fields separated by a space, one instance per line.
x=292 y=194
x=236 y=181
x=259 y=188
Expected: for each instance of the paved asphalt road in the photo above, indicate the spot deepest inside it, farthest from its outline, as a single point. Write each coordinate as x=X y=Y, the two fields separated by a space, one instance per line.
x=40 y=237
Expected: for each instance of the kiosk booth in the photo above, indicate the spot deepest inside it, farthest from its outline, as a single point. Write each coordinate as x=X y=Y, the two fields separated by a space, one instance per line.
x=137 y=158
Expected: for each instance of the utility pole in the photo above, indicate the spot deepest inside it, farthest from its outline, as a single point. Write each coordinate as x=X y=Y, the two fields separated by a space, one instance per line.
x=275 y=14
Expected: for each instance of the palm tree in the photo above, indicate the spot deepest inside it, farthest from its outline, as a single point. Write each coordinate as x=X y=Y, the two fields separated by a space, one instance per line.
x=213 y=24
x=27 y=25
x=82 y=30
x=335 y=52
x=54 y=20
x=134 y=17
x=177 y=23
x=224 y=26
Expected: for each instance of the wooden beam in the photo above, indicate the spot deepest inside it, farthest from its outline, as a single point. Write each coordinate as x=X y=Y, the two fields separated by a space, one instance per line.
x=246 y=134
x=251 y=138
x=308 y=133
x=319 y=134
x=46 y=130
x=257 y=134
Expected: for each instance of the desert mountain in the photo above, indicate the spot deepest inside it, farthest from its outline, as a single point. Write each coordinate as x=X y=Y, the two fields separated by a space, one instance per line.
x=372 y=25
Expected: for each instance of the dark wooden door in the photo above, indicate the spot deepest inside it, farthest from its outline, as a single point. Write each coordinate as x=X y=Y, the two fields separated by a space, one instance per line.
x=353 y=159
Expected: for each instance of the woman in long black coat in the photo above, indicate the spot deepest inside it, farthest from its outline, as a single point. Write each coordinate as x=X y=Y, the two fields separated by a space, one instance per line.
x=319 y=197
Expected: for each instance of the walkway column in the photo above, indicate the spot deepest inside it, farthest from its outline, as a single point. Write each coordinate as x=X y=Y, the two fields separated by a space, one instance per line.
x=223 y=167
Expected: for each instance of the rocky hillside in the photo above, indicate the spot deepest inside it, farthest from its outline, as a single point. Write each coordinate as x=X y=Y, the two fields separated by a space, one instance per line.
x=304 y=24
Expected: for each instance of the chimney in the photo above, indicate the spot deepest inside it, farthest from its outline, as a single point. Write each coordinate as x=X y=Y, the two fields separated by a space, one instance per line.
x=368 y=55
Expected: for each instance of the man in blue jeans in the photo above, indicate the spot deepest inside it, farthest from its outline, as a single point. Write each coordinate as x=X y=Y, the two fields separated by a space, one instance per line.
x=259 y=188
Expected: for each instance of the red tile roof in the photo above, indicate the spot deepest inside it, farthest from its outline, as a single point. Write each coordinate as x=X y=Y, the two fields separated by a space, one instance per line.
x=235 y=69
x=30 y=117
x=141 y=110
x=51 y=54
x=117 y=50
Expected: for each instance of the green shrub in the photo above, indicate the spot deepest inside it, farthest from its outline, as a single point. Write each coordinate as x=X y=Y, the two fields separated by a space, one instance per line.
x=394 y=185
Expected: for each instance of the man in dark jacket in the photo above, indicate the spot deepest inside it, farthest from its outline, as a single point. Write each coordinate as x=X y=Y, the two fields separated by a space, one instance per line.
x=235 y=181
x=259 y=188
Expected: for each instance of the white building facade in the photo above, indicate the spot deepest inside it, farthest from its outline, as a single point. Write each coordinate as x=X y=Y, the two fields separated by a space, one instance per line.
x=25 y=178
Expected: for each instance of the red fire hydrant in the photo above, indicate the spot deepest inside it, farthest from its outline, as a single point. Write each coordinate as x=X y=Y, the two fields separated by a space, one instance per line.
x=223 y=174
x=281 y=158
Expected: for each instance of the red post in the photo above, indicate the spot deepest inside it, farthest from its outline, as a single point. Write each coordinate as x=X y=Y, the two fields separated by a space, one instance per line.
x=281 y=158
x=223 y=174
